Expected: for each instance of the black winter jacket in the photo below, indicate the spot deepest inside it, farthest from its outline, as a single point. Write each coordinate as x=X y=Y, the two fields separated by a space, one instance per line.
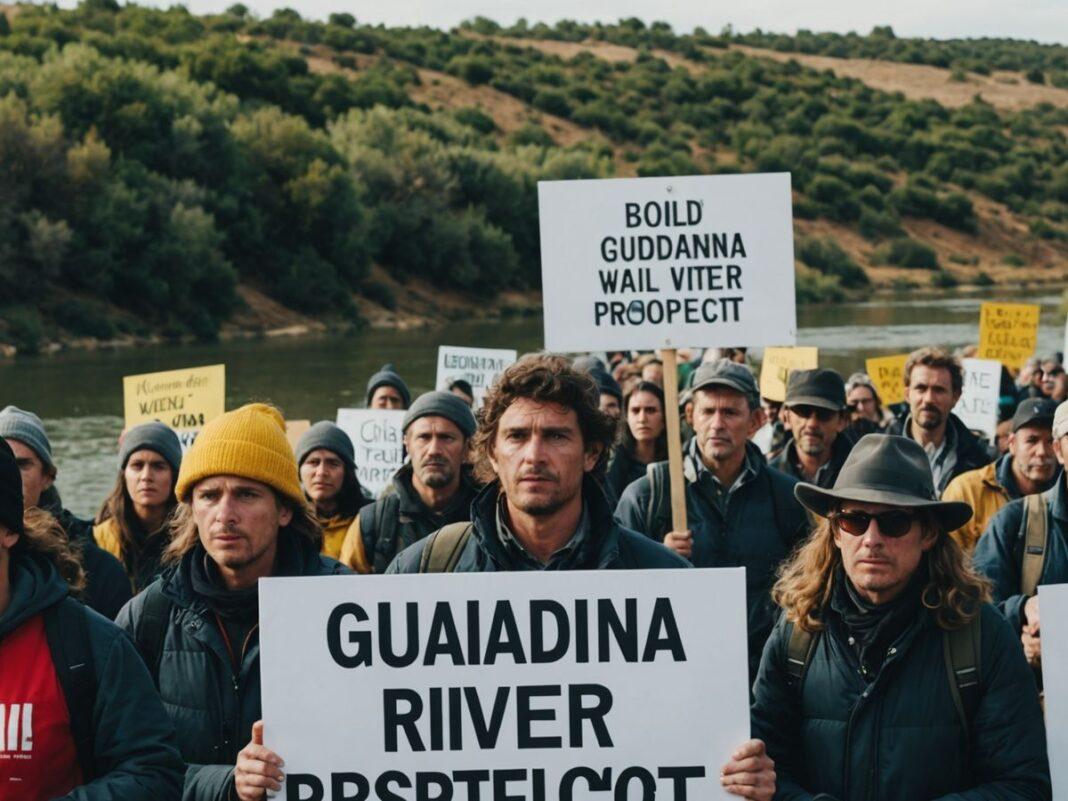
x=609 y=546
x=212 y=708
x=900 y=738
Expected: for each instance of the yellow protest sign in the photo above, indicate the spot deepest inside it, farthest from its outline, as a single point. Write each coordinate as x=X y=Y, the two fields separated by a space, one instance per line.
x=185 y=399
x=1008 y=332
x=295 y=430
x=887 y=373
x=777 y=365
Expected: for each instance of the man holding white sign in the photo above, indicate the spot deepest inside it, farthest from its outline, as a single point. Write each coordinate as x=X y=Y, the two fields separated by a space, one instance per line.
x=542 y=437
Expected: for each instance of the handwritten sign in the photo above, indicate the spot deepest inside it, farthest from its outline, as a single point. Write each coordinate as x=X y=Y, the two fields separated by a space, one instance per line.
x=185 y=399
x=887 y=373
x=777 y=365
x=647 y=263
x=378 y=438
x=539 y=686
x=295 y=430
x=477 y=366
x=1008 y=332
x=978 y=404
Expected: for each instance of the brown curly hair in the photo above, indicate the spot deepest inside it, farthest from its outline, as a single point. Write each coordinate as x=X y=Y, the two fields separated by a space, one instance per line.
x=44 y=536
x=954 y=591
x=936 y=359
x=545 y=378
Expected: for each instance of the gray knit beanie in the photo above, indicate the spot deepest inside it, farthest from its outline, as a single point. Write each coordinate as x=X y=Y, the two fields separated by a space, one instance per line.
x=442 y=404
x=154 y=437
x=28 y=429
x=606 y=384
x=325 y=434
x=387 y=376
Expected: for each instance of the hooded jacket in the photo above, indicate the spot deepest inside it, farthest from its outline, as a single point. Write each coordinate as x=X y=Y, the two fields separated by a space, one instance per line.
x=212 y=707
x=607 y=546
x=133 y=739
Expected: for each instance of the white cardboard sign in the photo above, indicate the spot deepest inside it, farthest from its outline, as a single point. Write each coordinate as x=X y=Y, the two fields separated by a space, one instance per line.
x=478 y=366
x=1053 y=604
x=647 y=263
x=378 y=437
x=978 y=404
x=505 y=685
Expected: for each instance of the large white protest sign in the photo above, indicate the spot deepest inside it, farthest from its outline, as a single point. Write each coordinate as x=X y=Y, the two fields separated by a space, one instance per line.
x=647 y=263
x=477 y=366
x=978 y=404
x=378 y=437
x=1053 y=603
x=538 y=686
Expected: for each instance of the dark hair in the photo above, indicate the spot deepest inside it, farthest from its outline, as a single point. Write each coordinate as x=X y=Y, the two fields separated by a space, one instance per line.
x=626 y=438
x=463 y=386
x=545 y=378
x=119 y=506
x=350 y=498
x=936 y=359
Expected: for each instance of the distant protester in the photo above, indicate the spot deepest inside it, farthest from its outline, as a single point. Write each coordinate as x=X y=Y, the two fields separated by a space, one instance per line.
x=643 y=438
x=387 y=390
x=133 y=525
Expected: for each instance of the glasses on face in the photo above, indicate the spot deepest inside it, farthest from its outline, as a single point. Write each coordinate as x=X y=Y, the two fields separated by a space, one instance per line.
x=892 y=523
x=823 y=415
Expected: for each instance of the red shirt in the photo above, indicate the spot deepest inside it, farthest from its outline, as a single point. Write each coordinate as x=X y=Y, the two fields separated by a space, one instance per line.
x=38 y=760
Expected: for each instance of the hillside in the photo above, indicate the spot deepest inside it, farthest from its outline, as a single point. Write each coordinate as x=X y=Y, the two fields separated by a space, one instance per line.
x=163 y=174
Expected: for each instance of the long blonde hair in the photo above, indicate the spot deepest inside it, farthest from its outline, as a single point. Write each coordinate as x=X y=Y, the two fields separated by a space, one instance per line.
x=185 y=536
x=954 y=591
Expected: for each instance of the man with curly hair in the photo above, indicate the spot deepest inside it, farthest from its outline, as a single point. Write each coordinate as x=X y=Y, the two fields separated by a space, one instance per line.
x=889 y=674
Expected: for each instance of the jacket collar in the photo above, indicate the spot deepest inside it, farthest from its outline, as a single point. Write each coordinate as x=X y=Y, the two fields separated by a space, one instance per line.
x=412 y=505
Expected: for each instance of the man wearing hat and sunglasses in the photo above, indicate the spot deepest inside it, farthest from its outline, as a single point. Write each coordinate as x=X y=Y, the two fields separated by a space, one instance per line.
x=889 y=673
x=815 y=412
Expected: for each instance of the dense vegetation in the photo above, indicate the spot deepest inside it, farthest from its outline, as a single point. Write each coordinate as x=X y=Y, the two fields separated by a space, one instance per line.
x=152 y=160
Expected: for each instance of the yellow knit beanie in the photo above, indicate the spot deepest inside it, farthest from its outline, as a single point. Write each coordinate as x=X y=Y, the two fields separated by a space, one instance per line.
x=249 y=442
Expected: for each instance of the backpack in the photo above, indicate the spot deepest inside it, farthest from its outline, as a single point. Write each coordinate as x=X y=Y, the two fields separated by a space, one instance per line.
x=67 y=632
x=1033 y=533
x=444 y=547
x=151 y=629
x=960 y=650
x=658 y=512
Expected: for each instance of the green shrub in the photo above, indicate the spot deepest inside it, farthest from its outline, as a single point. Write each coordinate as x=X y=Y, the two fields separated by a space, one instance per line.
x=1014 y=260
x=82 y=318
x=944 y=279
x=531 y=134
x=906 y=252
x=826 y=256
x=983 y=279
x=814 y=287
x=957 y=258
x=380 y=293
x=24 y=328
x=475 y=118
x=1035 y=76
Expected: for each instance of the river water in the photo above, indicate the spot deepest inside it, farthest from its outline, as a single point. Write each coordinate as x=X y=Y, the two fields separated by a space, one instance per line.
x=79 y=393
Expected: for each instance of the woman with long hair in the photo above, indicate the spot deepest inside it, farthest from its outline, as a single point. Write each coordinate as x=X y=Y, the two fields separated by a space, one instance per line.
x=643 y=438
x=133 y=523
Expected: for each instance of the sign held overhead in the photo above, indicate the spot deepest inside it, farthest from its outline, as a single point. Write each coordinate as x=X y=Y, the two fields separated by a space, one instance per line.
x=647 y=263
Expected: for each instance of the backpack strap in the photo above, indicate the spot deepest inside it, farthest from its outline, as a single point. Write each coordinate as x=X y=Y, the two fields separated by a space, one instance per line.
x=151 y=629
x=443 y=548
x=67 y=631
x=800 y=646
x=1033 y=532
x=960 y=647
x=658 y=512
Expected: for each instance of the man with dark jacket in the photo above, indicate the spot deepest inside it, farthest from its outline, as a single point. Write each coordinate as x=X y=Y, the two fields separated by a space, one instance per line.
x=1015 y=564
x=241 y=516
x=816 y=414
x=80 y=717
x=889 y=675
x=107 y=587
x=934 y=380
x=741 y=512
x=543 y=435
x=433 y=489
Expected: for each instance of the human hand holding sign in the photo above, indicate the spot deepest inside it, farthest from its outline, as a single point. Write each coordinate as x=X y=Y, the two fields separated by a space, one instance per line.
x=258 y=768
x=1029 y=635
x=750 y=773
x=681 y=542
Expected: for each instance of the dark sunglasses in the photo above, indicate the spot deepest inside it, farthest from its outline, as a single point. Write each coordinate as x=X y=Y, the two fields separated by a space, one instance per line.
x=892 y=523
x=823 y=415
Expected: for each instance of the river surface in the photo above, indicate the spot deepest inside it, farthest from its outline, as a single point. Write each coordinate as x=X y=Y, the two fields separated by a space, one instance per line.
x=79 y=393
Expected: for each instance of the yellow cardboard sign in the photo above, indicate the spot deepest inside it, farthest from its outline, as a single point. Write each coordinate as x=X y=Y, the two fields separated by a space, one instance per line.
x=1008 y=332
x=777 y=365
x=887 y=373
x=185 y=399
x=295 y=430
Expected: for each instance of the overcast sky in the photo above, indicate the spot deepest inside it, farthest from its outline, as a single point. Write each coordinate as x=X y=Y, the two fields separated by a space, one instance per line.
x=1042 y=20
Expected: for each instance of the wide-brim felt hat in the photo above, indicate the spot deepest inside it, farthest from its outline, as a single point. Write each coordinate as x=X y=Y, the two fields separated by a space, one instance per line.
x=890 y=470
